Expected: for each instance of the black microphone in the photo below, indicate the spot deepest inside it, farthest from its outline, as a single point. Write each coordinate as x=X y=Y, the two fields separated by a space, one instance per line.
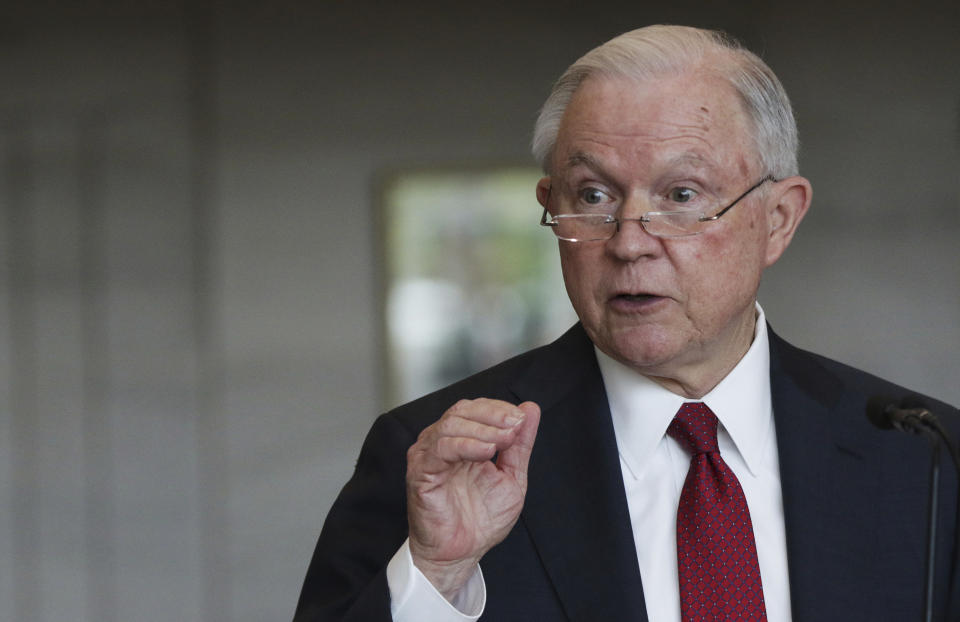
x=910 y=414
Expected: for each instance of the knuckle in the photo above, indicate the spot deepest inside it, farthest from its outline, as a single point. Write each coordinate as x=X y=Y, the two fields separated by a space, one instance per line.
x=422 y=438
x=458 y=407
x=445 y=447
x=415 y=461
x=443 y=428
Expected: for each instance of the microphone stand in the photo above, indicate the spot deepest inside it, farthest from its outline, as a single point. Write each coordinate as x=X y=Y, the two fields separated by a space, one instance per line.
x=912 y=416
x=934 y=431
x=932 y=509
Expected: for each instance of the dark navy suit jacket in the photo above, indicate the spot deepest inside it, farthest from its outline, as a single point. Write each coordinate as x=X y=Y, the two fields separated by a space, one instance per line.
x=855 y=501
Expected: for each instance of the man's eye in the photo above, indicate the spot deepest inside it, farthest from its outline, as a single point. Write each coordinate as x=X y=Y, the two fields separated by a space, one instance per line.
x=682 y=195
x=593 y=196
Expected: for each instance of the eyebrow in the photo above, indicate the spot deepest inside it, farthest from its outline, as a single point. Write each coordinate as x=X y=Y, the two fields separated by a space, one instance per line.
x=580 y=158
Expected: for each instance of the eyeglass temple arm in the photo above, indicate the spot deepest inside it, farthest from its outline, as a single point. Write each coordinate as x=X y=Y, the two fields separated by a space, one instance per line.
x=737 y=200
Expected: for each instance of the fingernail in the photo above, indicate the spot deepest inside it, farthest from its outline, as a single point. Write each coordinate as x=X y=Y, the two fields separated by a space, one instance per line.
x=514 y=420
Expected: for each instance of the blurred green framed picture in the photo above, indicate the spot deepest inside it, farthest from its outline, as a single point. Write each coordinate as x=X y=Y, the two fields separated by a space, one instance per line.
x=470 y=277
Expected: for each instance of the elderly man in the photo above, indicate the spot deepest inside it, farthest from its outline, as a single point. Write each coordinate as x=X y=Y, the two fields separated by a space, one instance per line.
x=669 y=458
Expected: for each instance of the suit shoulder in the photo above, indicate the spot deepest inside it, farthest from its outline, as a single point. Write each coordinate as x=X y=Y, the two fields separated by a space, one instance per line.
x=818 y=370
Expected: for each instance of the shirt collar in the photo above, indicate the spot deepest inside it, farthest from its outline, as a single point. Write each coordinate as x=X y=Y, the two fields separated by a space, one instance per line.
x=642 y=409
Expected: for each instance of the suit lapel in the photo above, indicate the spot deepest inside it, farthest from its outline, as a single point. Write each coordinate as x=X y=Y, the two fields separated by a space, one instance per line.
x=576 y=510
x=828 y=476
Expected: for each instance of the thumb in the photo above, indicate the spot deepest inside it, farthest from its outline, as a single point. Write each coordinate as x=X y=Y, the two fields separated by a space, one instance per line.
x=516 y=458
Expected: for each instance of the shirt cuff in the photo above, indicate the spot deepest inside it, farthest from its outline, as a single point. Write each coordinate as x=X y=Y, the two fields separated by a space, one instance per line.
x=414 y=599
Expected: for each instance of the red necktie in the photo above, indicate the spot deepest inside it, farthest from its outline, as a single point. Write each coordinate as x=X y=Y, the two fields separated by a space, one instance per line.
x=717 y=555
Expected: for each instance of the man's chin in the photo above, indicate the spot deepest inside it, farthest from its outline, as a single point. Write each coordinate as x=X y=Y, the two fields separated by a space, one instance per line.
x=649 y=352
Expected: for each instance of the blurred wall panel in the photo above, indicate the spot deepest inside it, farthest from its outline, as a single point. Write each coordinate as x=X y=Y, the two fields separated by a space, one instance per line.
x=101 y=371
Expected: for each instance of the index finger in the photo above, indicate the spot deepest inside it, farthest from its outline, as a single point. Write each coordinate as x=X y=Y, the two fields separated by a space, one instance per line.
x=497 y=413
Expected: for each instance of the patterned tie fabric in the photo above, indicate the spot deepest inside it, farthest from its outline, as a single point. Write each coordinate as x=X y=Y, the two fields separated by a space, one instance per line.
x=717 y=555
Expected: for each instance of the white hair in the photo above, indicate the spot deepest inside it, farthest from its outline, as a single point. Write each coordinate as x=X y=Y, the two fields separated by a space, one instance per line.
x=656 y=51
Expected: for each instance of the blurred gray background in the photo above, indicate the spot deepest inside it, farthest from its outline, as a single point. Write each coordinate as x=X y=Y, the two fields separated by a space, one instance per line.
x=190 y=290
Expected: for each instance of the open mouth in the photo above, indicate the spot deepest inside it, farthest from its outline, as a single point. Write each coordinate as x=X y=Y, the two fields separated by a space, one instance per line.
x=636 y=303
x=636 y=297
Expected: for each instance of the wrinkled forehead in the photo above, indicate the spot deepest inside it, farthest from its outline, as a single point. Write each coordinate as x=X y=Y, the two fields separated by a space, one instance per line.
x=691 y=116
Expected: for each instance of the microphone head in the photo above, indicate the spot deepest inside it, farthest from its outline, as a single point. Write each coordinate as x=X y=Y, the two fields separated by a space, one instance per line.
x=877 y=411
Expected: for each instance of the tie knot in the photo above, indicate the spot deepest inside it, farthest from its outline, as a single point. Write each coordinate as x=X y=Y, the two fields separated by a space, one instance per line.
x=695 y=427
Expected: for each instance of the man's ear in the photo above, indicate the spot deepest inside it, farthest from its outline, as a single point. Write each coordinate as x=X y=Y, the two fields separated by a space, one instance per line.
x=543 y=191
x=786 y=206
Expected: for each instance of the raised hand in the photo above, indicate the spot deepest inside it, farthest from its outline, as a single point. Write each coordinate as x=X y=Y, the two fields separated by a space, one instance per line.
x=460 y=503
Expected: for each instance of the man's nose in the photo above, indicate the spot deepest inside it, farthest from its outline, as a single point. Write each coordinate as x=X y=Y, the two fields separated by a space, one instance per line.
x=631 y=240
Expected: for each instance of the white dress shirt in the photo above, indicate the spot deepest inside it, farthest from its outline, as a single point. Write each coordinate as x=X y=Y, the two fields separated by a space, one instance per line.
x=654 y=467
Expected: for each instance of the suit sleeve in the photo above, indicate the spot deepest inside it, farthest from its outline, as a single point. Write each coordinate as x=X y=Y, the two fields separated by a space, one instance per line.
x=346 y=580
